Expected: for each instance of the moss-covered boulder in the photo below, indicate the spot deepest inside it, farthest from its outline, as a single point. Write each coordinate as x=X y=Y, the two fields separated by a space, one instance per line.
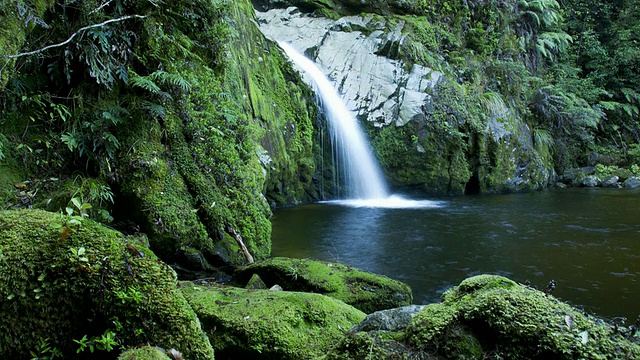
x=144 y=353
x=519 y=322
x=492 y=316
x=360 y=289
x=67 y=278
x=267 y=324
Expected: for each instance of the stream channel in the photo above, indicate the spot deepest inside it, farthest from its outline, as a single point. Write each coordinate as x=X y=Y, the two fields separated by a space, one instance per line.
x=588 y=240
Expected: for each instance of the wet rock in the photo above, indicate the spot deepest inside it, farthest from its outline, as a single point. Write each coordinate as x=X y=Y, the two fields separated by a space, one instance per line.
x=611 y=182
x=375 y=86
x=389 y=320
x=363 y=290
x=632 y=183
x=490 y=316
x=590 y=181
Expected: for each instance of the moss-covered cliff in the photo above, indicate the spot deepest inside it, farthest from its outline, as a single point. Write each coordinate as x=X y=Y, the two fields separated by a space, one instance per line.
x=193 y=122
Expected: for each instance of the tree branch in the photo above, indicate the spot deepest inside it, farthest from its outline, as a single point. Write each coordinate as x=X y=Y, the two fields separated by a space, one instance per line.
x=238 y=239
x=75 y=34
x=100 y=7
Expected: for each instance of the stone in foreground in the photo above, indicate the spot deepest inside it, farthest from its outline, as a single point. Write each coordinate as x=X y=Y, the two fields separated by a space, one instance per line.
x=360 y=289
x=490 y=316
x=265 y=324
x=63 y=278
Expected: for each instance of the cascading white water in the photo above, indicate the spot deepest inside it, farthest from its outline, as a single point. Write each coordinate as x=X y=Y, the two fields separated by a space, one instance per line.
x=355 y=161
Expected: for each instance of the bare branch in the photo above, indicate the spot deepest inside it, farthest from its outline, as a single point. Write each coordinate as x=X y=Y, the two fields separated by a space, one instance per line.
x=100 y=7
x=75 y=34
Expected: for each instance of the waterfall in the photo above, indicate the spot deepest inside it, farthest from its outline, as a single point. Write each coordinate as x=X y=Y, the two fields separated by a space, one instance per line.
x=355 y=164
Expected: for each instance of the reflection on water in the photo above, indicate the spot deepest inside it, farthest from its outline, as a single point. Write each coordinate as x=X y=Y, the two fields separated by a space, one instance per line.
x=587 y=240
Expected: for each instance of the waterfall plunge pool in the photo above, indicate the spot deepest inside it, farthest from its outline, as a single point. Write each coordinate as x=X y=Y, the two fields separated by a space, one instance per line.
x=588 y=240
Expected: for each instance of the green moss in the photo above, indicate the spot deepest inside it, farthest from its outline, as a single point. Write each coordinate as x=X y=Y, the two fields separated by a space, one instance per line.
x=514 y=321
x=363 y=345
x=424 y=156
x=161 y=200
x=265 y=324
x=61 y=280
x=9 y=173
x=144 y=353
x=365 y=291
x=14 y=29
x=433 y=321
x=281 y=108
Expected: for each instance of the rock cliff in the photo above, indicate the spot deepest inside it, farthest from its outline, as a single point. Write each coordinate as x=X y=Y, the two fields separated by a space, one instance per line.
x=429 y=132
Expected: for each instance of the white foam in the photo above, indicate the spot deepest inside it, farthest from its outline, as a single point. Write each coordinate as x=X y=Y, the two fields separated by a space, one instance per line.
x=391 y=202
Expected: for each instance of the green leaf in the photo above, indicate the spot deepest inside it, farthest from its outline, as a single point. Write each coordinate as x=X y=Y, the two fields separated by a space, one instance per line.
x=76 y=202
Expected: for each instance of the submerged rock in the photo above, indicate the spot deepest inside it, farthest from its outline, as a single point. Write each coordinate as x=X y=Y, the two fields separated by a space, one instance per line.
x=492 y=316
x=363 y=290
x=263 y=324
x=62 y=278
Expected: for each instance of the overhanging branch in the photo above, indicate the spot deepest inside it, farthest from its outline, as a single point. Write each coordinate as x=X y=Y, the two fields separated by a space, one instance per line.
x=75 y=34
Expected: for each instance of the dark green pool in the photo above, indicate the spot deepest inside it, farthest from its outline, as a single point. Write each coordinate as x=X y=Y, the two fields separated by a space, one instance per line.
x=588 y=240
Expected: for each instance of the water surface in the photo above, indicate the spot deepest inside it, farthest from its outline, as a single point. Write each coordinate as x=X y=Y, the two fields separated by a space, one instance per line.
x=588 y=240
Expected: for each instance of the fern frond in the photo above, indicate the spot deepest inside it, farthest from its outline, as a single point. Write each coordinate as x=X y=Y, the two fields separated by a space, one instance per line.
x=145 y=83
x=167 y=78
x=156 y=110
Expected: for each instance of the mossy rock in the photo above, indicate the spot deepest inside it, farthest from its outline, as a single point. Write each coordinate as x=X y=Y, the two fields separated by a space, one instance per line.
x=373 y=346
x=267 y=324
x=360 y=289
x=62 y=278
x=144 y=353
x=515 y=322
x=490 y=316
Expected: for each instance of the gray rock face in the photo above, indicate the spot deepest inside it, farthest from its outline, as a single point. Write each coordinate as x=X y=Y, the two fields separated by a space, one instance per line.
x=389 y=320
x=611 y=182
x=356 y=53
x=590 y=181
x=632 y=183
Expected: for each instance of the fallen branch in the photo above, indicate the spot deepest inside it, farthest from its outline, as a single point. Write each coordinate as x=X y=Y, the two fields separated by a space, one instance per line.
x=238 y=238
x=75 y=34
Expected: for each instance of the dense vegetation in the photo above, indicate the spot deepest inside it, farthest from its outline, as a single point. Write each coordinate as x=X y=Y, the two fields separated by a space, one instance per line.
x=184 y=120
x=153 y=113
x=179 y=120
x=569 y=68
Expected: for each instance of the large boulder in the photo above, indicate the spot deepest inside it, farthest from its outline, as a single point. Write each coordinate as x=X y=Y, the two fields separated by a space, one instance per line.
x=360 y=289
x=490 y=315
x=267 y=324
x=67 y=278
